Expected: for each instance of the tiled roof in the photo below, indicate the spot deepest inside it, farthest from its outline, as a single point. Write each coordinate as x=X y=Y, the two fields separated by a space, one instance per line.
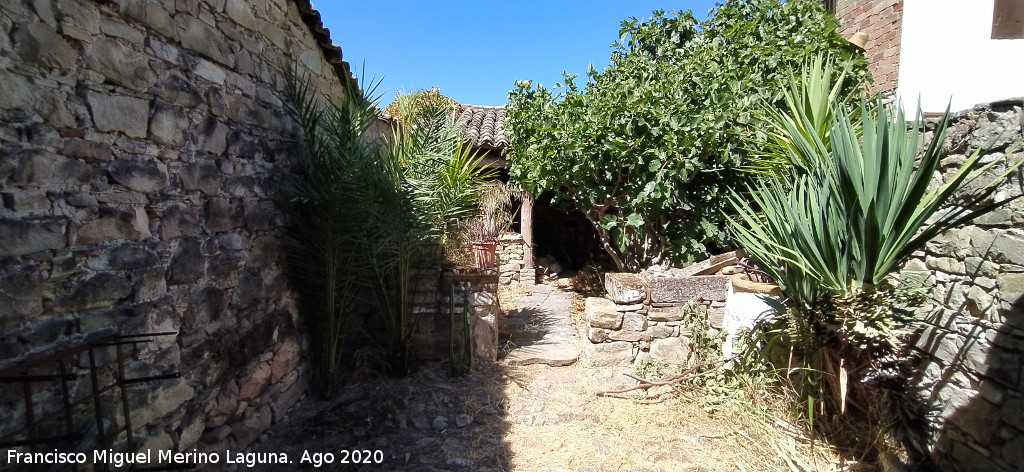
x=485 y=126
x=331 y=52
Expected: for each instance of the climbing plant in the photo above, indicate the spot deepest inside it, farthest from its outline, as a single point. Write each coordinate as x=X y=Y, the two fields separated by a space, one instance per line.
x=648 y=148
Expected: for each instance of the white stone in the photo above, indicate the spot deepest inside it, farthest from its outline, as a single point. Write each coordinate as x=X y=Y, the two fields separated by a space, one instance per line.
x=742 y=310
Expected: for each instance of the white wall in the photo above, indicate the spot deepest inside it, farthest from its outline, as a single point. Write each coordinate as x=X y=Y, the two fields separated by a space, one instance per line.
x=946 y=53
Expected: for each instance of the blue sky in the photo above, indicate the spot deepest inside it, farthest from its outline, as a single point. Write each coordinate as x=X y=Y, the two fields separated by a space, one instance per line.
x=476 y=50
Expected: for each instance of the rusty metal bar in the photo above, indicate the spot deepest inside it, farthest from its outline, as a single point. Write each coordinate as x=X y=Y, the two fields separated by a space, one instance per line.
x=174 y=375
x=124 y=399
x=30 y=414
x=97 y=404
x=37 y=378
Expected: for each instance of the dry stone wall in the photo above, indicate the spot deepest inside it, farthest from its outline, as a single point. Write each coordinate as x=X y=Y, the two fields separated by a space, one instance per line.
x=432 y=305
x=511 y=266
x=141 y=146
x=976 y=377
x=642 y=317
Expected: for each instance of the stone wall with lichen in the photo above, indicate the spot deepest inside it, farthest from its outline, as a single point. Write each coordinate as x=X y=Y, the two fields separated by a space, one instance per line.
x=141 y=146
x=975 y=353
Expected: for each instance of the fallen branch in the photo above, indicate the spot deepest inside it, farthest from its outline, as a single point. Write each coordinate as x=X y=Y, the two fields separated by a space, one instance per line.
x=670 y=380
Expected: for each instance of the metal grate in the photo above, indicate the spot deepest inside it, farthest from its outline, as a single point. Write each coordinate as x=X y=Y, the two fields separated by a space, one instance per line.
x=63 y=367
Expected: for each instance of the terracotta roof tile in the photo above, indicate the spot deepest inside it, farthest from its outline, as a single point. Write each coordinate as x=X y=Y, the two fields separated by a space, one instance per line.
x=485 y=126
x=332 y=53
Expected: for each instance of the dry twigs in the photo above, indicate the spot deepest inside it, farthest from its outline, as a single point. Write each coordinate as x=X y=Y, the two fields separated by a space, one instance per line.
x=670 y=380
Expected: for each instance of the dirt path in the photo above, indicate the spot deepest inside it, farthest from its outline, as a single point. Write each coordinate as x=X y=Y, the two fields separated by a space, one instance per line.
x=518 y=414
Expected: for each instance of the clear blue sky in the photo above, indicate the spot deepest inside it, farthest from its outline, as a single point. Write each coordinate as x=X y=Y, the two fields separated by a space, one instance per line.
x=476 y=50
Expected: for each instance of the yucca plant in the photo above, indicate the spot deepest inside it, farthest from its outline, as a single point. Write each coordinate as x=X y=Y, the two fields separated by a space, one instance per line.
x=832 y=232
x=811 y=99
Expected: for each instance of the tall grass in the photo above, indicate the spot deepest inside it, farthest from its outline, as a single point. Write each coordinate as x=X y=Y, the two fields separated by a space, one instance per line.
x=366 y=211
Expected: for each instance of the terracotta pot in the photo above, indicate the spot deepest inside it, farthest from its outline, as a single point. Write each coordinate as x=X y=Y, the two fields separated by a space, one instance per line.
x=483 y=254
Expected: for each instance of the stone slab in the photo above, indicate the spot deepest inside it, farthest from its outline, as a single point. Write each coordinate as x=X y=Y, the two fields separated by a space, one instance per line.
x=601 y=313
x=618 y=353
x=681 y=289
x=624 y=288
x=541 y=329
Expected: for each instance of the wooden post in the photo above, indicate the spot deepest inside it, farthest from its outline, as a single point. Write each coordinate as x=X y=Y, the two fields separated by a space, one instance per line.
x=526 y=227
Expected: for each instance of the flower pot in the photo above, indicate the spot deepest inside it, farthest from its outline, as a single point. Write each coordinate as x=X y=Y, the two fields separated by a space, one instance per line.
x=483 y=254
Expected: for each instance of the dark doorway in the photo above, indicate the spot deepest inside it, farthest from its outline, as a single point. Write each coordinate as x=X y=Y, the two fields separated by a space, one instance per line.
x=567 y=238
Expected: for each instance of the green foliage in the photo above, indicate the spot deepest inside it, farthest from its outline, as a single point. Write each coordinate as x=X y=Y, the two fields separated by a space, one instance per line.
x=325 y=253
x=649 y=147
x=832 y=230
x=810 y=103
x=365 y=212
x=860 y=210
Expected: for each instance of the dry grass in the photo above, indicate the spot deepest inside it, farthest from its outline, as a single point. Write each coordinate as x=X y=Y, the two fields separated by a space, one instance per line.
x=557 y=422
x=508 y=294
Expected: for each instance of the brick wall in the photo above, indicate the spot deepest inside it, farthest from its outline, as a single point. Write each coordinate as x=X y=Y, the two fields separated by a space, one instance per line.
x=881 y=20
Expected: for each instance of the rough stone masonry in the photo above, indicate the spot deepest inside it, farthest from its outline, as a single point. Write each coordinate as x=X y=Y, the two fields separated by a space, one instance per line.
x=141 y=145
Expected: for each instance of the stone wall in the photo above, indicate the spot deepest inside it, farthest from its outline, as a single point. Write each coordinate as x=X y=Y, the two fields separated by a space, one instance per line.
x=976 y=380
x=882 y=21
x=511 y=268
x=141 y=145
x=431 y=292
x=642 y=317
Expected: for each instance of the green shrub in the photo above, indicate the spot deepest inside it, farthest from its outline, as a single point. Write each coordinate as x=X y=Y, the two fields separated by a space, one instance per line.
x=648 y=148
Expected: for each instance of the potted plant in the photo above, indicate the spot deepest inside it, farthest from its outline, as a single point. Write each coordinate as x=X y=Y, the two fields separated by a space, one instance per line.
x=483 y=234
x=495 y=217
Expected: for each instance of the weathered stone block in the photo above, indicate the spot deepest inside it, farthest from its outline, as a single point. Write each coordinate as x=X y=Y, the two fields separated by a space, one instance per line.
x=633 y=307
x=617 y=353
x=682 y=289
x=23 y=237
x=156 y=403
x=625 y=288
x=224 y=215
x=672 y=350
x=674 y=313
x=256 y=421
x=178 y=220
x=188 y=264
x=601 y=313
x=37 y=168
x=119 y=113
x=149 y=284
x=119 y=63
x=485 y=338
x=631 y=336
x=203 y=39
x=132 y=257
x=20 y=293
x=168 y=125
x=144 y=175
x=122 y=225
x=597 y=335
x=151 y=14
x=89 y=151
x=1011 y=288
x=102 y=290
x=253 y=382
x=661 y=332
x=26 y=200
x=634 y=322
x=40 y=44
